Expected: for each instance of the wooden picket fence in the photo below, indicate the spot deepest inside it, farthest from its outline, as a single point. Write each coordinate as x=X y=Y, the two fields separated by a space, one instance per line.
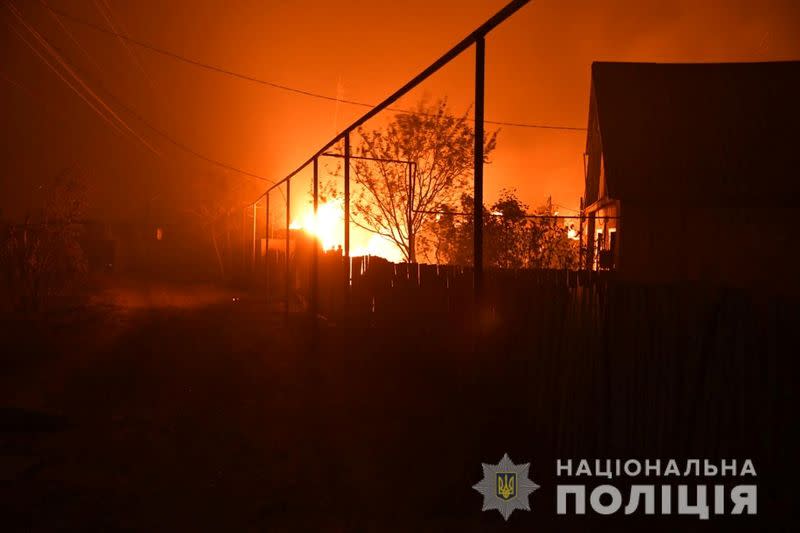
x=604 y=368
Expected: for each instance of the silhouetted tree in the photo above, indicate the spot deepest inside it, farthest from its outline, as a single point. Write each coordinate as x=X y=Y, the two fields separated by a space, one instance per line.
x=441 y=145
x=549 y=244
x=42 y=259
x=451 y=233
x=216 y=202
x=512 y=238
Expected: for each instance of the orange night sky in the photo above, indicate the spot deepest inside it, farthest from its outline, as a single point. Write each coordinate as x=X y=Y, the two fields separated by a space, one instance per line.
x=537 y=72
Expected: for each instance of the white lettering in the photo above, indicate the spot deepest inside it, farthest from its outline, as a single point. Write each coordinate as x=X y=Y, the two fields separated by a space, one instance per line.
x=744 y=496
x=700 y=508
x=601 y=508
x=580 y=498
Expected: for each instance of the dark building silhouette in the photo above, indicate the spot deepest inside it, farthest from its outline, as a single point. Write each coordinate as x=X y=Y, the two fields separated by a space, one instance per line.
x=692 y=172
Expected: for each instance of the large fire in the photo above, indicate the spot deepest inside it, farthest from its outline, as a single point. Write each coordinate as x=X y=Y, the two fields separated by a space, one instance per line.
x=328 y=227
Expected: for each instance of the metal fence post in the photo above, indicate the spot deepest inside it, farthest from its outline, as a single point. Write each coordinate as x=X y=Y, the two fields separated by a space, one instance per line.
x=580 y=238
x=266 y=240
x=480 y=58
x=347 y=216
x=316 y=244
x=255 y=229
x=410 y=213
x=288 y=221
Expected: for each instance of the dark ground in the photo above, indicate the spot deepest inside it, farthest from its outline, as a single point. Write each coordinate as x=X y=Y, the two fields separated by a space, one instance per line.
x=183 y=408
x=179 y=410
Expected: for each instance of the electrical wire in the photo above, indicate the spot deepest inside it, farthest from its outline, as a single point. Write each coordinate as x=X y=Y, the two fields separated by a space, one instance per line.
x=253 y=79
x=73 y=70
x=45 y=44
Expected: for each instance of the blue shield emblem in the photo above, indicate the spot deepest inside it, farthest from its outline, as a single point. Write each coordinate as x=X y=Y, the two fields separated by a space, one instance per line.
x=506 y=485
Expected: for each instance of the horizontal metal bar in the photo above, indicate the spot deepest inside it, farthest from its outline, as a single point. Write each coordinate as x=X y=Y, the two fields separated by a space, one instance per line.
x=380 y=159
x=464 y=214
x=465 y=43
x=341 y=156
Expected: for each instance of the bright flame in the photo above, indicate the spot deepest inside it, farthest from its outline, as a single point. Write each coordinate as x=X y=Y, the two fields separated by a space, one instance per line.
x=380 y=247
x=328 y=228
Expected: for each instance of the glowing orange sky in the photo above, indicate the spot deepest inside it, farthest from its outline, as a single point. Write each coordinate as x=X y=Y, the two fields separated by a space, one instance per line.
x=537 y=71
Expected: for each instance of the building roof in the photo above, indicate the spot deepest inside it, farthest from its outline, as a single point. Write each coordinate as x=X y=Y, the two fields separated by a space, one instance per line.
x=704 y=134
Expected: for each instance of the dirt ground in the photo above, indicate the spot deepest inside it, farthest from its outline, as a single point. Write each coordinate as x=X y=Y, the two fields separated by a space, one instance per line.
x=187 y=407
x=167 y=407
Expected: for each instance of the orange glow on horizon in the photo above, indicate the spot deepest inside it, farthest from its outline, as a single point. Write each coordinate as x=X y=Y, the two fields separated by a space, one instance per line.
x=328 y=228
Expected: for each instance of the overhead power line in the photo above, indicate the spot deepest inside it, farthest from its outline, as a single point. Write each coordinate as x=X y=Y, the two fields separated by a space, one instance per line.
x=107 y=12
x=282 y=87
x=183 y=146
x=75 y=72
x=102 y=108
x=566 y=208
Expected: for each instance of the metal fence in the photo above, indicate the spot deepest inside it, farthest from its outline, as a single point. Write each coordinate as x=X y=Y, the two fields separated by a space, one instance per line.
x=279 y=196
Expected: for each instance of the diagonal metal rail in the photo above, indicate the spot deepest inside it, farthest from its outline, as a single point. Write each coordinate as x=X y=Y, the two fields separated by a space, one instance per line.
x=477 y=38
